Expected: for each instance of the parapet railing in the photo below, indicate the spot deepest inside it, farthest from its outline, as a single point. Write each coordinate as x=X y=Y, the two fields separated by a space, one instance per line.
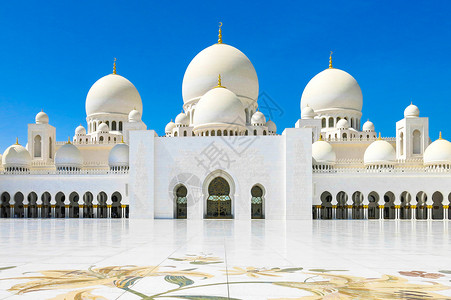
x=61 y=172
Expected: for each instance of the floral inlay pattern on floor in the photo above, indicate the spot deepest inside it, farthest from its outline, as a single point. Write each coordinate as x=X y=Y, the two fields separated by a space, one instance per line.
x=186 y=280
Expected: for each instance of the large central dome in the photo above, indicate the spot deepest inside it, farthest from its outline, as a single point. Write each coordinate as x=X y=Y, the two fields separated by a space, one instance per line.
x=332 y=89
x=113 y=94
x=236 y=69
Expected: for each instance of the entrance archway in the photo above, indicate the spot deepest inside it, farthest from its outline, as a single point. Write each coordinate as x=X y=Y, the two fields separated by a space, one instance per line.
x=116 y=207
x=422 y=209
x=342 y=206
x=326 y=206
x=74 y=208
x=46 y=207
x=88 y=210
x=257 y=202
x=373 y=206
x=102 y=208
x=357 y=205
x=60 y=207
x=19 y=211
x=389 y=206
x=405 y=211
x=219 y=203
x=5 y=210
x=32 y=205
x=181 y=202
x=437 y=206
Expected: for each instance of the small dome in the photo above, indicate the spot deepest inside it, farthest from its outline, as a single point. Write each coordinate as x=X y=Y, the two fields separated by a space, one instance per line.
x=323 y=153
x=258 y=118
x=68 y=156
x=238 y=73
x=119 y=156
x=42 y=118
x=80 y=130
x=134 y=116
x=219 y=106
x=113 y=94
x=368 y=126
x=182 y=119
x=103 y=127
x=16 y=156
x=271 y=126
x=332 y=89
x=439 y=152
x=307 y=113
x=169 y=127
x=411 y=111
x=379 y=152
x=342 y=124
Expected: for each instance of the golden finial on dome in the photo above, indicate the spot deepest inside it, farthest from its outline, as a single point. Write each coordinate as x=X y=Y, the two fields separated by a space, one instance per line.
x=379 y=136
x=320 y=137
x=219 y=82
x=330 y=60
x=122 y=139
x=114 y=66
x=17 y=141
x=440 y=136
x=220 y=34
x=68 y=140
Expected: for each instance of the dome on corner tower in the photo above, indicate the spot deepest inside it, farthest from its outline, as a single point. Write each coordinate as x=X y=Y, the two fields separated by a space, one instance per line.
x=332 y=89
x=113 y=94
x=237 y=70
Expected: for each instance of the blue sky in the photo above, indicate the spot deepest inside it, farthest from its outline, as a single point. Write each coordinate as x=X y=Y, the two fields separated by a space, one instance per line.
x=53 y=51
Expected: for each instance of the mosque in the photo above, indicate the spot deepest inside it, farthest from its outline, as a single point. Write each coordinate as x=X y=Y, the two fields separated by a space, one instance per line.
x=221 y=158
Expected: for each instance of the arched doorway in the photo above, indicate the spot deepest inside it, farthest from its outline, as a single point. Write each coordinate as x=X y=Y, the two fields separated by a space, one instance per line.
x=257 y=202
x=74 y=209
x=357 y=205
x=116 y=212
x=326 y=206
x=437 y=206
x=5 y=209
x=405 y=212
x=342 y=207
x=219 y=204
x=389 y=206
x=373 y=206
x=181 y=202
x=46 y=208
x=32 y=205
x=60 y=207
x=18 y=205
x=422 y=209
x=88 y=210
x=102 y=209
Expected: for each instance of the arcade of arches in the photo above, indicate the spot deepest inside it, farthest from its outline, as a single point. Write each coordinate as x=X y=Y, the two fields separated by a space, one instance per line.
x=62 y=205
x=382 y=206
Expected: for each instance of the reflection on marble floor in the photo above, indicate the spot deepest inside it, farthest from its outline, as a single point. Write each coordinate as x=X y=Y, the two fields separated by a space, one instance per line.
x=179 y=259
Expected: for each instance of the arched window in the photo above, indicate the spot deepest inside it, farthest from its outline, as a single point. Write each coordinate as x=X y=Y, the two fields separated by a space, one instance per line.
x=255 y=132
x=108 y=123
x=120 y=125
x=416 y=142
x=181 y=202
x=37 y=146
x=345 y=136
x=246 y=132
x=101 y=139
x=175 y=133
x=113 y=125
x=257 y=202
x=331 y=122
x=323 y=122
x=225 y=132
x=184 y=132
x=219 y=132
x=264 y=132
x=50 y=147
x=212 y=133
x=352 y=122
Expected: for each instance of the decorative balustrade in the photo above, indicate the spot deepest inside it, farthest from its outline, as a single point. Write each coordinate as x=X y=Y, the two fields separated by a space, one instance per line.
x=60 y=172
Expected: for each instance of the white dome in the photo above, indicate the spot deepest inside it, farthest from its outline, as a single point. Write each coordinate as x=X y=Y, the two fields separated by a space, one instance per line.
x=103 y=127
x=271 y=126
x=113 y=94
x=219 y=106
x=119 y=156
x=16 y=156
x=236 y=69
x=134 y=116
x=342 y=124
x=411 y=111
x=80 y=130
x=182 y=119
x=169 y=127
x=332 y=89
x=68 y=156
x=323 y=153
x=368 y=126
x=42 y=118
x=258 y=118
x=439 y=152
x=379 y=152
x=307 y=113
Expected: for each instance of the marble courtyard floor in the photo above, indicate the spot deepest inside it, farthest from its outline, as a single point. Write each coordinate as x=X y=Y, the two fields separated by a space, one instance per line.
x=224 y=259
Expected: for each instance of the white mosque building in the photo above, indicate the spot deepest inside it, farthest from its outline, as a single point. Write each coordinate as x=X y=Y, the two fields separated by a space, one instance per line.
x=222 y=159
